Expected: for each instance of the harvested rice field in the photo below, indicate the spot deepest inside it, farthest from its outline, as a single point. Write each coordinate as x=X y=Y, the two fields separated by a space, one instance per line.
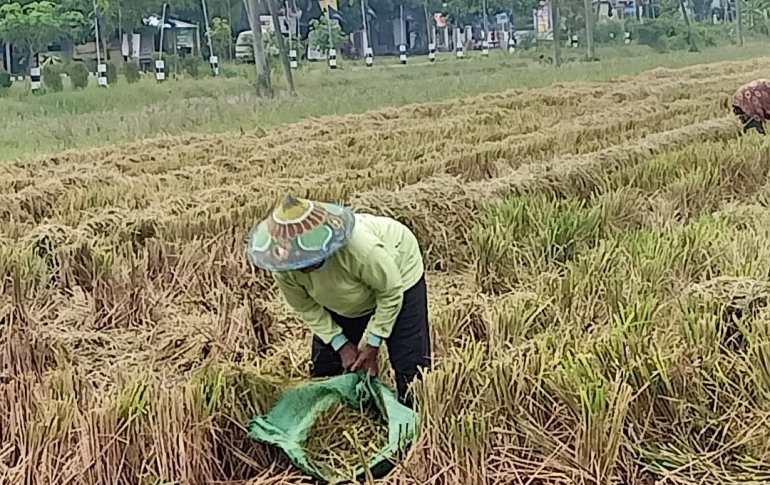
x=599 y=271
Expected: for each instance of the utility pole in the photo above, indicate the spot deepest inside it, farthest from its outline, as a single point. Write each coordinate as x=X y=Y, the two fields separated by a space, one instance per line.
x=590 y=18
x=739 y=27
x=281 y=45
x=264 y=88
x=556 y=27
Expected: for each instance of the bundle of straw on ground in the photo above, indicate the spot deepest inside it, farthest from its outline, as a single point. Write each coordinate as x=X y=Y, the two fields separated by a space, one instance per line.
x=344 y=438
x=598 y=274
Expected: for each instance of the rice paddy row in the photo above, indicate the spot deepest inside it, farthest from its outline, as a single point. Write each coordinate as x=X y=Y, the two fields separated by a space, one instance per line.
x=599 y=272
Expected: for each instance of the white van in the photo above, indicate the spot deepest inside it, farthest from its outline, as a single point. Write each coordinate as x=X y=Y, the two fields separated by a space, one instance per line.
x=244 y=46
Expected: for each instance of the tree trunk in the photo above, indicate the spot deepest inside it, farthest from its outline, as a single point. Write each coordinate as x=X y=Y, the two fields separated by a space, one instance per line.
x=281 y=44
x=230 y=37
x=739 y=25
x=32 y=60
x=690 y=36
x=589 y=12
x=556 y=27
x=264 y=88
x=106 y=56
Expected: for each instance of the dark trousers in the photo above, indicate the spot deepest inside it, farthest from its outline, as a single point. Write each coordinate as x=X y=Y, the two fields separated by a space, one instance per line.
x=408 y=344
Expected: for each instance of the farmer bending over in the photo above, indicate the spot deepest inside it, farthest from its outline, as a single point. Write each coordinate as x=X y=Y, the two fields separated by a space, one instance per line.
x=751 y=103
x=343 y=273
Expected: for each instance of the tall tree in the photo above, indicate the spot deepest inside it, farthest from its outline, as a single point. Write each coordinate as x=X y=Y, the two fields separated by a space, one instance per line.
x=36 y=25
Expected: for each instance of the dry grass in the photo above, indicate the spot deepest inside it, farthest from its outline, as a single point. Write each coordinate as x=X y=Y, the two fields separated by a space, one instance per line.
x=599 y=272
x=344 y=438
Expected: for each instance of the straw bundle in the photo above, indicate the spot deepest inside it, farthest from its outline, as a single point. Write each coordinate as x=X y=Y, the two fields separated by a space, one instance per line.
x=344 y=437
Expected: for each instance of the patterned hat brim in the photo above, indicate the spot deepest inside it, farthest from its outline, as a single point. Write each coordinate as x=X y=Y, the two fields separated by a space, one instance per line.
x=261 y=252
x=752 y=97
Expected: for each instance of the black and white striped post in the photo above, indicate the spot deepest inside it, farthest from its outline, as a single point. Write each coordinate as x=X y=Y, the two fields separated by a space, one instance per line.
x=511 y=43
x=214 y=61
x=160 y=65
x=485 y=48
x=101 y=74
x=369 y=54
x=160 y=70
x=431 y=52
x=402 y=53
x=574 y=42
x=333 y=58
x=34 y=79
x=293 y=58
x=627 y=36
x=459 y=51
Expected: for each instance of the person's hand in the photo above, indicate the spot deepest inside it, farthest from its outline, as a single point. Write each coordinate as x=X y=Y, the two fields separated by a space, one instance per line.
x=349 y=354
x=368 y=360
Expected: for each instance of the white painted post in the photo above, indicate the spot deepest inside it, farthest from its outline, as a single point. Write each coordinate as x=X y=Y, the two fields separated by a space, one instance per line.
x=160 y=70
x=402 y=53
x=333 y=58
x=101 y=72
x=34 y=78
x=214 y=61
x=369 y=57
x=431 y=52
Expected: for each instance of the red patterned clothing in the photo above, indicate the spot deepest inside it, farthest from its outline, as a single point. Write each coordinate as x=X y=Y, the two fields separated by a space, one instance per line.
x=753 y=99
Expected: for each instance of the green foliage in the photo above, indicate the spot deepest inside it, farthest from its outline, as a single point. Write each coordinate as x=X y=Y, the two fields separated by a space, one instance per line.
x=112 y=73
x=37 y=24
x=5 y=80
x=173 y=63
x=78 y=73
x=52 y=78
x=132 y=72
x=271 y=45
x=221 y=37
x=192 y=65
x=319 y=35
x=670 y=33
x=612 y=32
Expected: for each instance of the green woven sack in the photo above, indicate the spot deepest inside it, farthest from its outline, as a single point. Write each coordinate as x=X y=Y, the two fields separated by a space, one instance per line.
x=288 y=423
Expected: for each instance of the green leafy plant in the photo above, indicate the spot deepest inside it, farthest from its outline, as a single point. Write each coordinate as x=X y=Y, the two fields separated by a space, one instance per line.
x=6 y=81
x=78 y=73
x=192 y=65
x=52 y=79
x=112 y=73
x=319 y=35
x=132 y=72
x=221 y=34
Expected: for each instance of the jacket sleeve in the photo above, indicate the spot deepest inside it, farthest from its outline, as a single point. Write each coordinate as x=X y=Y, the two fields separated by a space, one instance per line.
x=380 y=272
x=309 y=311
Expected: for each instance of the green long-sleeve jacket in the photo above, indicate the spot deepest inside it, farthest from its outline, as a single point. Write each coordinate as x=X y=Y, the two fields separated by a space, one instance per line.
x=369 y=274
